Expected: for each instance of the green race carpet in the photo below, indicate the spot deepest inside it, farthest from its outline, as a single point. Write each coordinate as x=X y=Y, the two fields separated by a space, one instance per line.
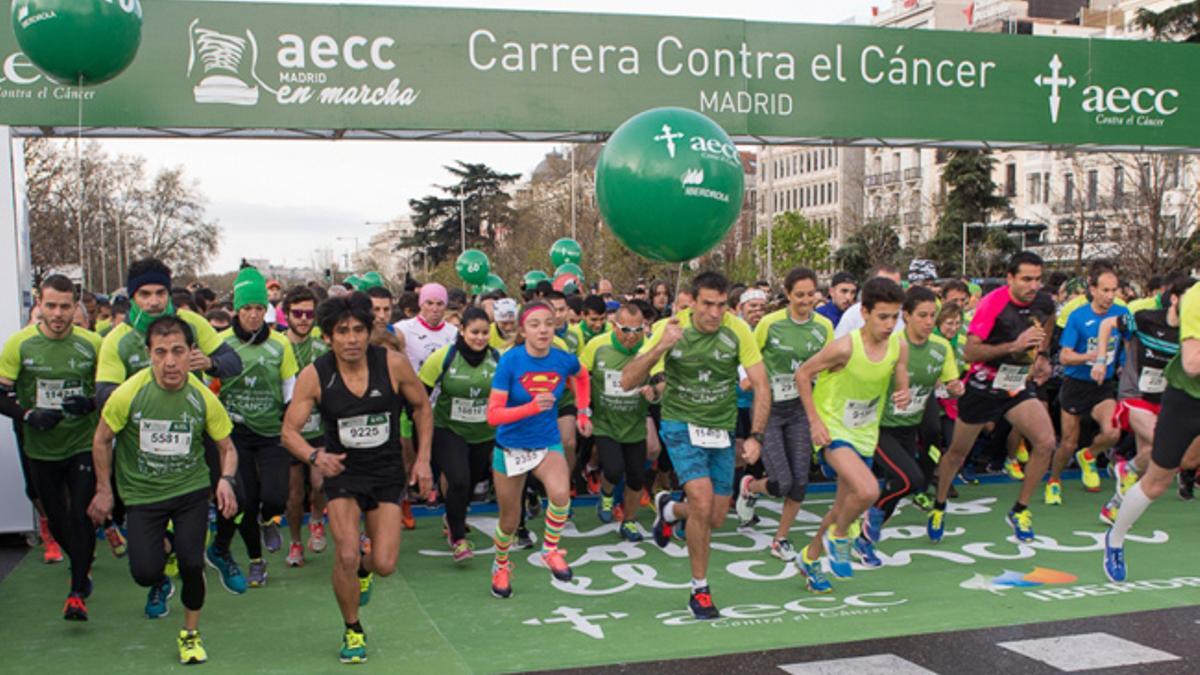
x=627 y=602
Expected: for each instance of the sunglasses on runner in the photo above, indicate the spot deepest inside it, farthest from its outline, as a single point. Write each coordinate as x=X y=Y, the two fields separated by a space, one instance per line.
x=303 y=313
x=627 y=330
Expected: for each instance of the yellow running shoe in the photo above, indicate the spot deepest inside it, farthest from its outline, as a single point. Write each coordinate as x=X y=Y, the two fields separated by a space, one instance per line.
x=935 y=455
x=1054 y=493
x=354 y=647
x=364 y=589
x=1087 y=464
x=1126 y=475
x=1022 y=453
x=191 y=649
x=1012 y=469
x=1108 y=512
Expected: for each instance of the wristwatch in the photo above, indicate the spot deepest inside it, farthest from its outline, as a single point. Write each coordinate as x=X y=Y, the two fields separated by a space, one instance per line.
x=312 y=459
x=758 y=436
x=231 y=479
x=586 y=412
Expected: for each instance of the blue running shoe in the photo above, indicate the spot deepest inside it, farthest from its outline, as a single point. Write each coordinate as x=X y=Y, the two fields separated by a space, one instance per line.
x=156 y=600
x=1114 y=560
x=1022 y=524
x=935 y=527
x=231 y=574
x=604 y=508
x=662 y=528
x=839 y=555
x=814 y=578
x=865 y=552
x=679 y=530
x=872 y=524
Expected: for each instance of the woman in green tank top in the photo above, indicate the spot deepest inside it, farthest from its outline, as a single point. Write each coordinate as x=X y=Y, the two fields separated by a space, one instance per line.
x=844 y=411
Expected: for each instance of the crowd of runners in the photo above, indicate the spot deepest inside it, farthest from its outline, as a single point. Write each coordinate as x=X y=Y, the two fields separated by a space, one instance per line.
x=175 y=422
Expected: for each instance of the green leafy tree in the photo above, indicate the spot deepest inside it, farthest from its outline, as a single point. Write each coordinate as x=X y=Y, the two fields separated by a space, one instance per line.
x=1178 y=23
x=795 y=242
x=477 y=206
x=874 y=243
x=971 y=198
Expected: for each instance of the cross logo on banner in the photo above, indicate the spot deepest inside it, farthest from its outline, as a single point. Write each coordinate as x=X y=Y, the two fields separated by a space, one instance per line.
x=1055 y=81
x=578 y=620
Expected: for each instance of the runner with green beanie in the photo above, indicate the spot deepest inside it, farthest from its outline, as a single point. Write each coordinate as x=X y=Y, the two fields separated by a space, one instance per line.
x=255 y=399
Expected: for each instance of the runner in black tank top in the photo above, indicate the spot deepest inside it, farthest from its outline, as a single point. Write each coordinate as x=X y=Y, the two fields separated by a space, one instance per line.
x=364 y=430
x=359 y=391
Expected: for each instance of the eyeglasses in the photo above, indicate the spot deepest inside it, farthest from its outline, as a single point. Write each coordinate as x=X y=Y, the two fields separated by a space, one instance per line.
x=302 y=313
x=630 y=331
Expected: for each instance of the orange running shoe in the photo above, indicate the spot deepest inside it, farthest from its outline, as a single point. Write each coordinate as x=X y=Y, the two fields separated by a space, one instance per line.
x=406 y=515
x=502 y=580
x=116 y=540
x=556 y=561
x=52 y=552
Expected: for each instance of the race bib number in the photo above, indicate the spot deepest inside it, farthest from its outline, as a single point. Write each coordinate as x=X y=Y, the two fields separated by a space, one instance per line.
x=783 y=388
x=312 y=424
x=468 y=410
x=704 y=437
x=860 y=413
x=1152 y=381
x=364 y=431
x=612 y=385
x=517 y=462
x=50 y=393
x=1010 y=378
x=164 y=438
x=916 y=402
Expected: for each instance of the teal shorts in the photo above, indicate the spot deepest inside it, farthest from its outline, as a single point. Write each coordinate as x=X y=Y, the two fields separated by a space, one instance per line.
x=498 y=457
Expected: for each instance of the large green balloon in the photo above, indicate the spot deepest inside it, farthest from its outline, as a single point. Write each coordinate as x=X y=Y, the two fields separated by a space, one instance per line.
x=473 y=267
x=566 y=250
x=669 y=182
x=74 y=41
x=569 y=268
x=354 y=281
x=533 y=277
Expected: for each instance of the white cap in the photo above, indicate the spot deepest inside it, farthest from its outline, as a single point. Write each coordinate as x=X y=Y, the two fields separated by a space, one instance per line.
x=752 y=294
x=505 y=309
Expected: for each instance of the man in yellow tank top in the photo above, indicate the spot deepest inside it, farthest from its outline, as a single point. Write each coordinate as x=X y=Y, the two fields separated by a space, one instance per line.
x=845 y=408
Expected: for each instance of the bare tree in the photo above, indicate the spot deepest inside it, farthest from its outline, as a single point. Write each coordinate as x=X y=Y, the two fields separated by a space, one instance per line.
x=1154 y=213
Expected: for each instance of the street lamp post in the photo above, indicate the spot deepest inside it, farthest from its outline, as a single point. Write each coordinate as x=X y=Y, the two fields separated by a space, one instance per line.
x=462 y=221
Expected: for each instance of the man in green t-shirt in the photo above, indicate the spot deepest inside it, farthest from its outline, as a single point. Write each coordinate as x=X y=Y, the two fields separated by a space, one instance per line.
x=619 y=416
x=158 y=418
x=300 y=307
x=47 y=372
x=1175 y=436
x=700 y=350
x=255 y=398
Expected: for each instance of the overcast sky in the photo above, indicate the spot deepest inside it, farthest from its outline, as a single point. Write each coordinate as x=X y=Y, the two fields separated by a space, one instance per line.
x=284 y=199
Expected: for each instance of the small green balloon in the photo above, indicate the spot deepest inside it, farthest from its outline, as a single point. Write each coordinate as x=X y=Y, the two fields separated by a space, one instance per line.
x=79 y=41
x=566 y=250
x=372 y=280
x=354 y=281
x=473 y=267
x=569 y=268
x=494 y=283
x=533 y=277
x=669 y=183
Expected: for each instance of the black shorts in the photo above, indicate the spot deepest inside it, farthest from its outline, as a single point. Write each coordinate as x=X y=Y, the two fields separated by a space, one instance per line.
x=368 y=493
x=568 y=410
x=1078 y=397
x=742 y=430
x=1178 y=426
x=978 y=408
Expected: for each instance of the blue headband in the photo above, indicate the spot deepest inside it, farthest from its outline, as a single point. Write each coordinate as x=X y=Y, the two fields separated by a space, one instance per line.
x=147 y=278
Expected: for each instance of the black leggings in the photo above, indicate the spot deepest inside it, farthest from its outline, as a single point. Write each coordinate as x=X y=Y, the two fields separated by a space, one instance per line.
x=66 y=487
x=897 y=459
x=463 y=464
x=147 y=525
x=619 y=459
x=264 y=469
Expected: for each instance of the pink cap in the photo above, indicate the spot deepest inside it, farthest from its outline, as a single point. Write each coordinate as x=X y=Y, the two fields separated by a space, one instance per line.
x=433 y=292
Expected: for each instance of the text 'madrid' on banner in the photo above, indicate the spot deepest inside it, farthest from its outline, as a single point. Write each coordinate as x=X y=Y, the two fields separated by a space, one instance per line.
x=350 y=71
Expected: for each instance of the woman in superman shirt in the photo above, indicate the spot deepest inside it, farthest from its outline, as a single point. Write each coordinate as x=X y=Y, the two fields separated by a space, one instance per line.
x=530 y=379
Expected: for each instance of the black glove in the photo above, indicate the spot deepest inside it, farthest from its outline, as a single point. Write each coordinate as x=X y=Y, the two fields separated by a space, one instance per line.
x=42 y=419
x=78 y=406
